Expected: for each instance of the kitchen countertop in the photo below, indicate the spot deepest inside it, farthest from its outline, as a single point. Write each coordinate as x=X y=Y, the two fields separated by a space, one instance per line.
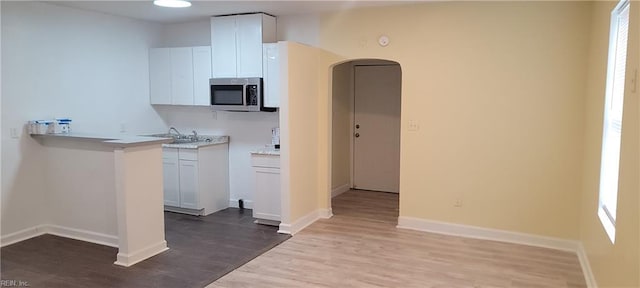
x=203 y=142
x=123 y=141
x=266 y=151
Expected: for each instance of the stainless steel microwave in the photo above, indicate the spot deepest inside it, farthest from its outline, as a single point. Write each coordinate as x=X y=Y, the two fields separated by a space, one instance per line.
x=238 y=94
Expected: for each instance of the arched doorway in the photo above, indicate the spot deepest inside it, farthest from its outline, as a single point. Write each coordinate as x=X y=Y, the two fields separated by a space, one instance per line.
x=365 y=132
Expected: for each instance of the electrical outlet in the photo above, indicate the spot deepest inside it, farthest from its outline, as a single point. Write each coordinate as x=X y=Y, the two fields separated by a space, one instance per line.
x=14 y=133
x=414 y=125
x=457 y=203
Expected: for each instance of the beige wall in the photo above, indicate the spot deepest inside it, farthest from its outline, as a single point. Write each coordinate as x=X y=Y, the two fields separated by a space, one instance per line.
x=325 y=102
x=613 y=265
x=498 y=91
x=306 y=123
x=341 y=125
x=302 y=138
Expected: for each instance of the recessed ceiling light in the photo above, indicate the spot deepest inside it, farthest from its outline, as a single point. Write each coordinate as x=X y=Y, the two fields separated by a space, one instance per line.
x=172 y=3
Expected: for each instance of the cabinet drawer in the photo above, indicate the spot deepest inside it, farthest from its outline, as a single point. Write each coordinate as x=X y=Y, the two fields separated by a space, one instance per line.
x=188 y=154
x=270 y=161
x=170 y=154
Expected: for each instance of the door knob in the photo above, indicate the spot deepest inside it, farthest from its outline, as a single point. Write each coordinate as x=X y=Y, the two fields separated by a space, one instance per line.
x=357 y=135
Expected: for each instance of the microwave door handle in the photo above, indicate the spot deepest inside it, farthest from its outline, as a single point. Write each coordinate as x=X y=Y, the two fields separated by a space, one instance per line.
x=244 y=95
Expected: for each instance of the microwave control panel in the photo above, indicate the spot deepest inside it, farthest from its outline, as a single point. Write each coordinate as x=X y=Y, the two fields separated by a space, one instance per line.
x=252 y=95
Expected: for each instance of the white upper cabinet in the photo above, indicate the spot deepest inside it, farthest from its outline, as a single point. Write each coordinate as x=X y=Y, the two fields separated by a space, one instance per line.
x=236 y=42
x=160 y=75
x=201 y=75
x=223 y=47
x=249 y=45
x=180 y=76
x=271 y=68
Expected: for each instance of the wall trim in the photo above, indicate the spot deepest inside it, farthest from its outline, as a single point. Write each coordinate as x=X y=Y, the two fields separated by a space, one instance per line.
x=304 y=221
x=589 y=278
x=142 y=254
x=503 y=236
x=233 y=203
x=83 y=235
x=22 y=235
x=325 y=213
x=340 y=189
x=487 y=234
x=66 y=232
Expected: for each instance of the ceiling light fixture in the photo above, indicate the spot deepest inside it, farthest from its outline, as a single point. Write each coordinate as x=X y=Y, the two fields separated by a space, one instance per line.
x=172 y=3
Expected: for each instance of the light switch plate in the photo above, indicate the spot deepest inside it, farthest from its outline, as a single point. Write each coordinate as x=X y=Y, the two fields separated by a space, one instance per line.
x=413 y=125
x=14 y=133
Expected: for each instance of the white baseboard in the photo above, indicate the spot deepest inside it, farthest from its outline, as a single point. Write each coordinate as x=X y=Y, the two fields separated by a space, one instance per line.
x=234 y=203
x=22 y=235
x=284 y=228
x=586 y=267
x=487 y=234
x=340 y=189
x=72 y=233
x=305 y=221
x=83 y=235
x=325 y=213
x=503 y=236
x=142 y=254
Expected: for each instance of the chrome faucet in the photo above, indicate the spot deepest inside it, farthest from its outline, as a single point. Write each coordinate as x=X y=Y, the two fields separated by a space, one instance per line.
x=195 y=135
x=174 y=129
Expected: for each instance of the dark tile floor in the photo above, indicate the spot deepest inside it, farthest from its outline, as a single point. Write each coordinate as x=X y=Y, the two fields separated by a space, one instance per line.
x=202 y=249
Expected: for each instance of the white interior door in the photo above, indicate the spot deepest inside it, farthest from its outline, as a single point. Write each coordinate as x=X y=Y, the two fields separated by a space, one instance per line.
x=376 y=154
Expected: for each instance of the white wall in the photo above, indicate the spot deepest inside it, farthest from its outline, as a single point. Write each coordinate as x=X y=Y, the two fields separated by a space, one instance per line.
x=60 y=61
x=196 y=33
x=0 y=123
x=80 y=188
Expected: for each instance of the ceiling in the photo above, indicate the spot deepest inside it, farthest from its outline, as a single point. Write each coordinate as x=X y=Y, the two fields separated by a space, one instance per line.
x=145 y=10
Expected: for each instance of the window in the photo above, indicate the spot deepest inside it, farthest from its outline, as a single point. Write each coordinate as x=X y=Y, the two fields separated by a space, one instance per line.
x=612 y=131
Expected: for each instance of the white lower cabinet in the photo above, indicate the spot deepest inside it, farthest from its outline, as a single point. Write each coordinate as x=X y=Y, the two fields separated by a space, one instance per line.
x=189 y=184
x=266 y=203
x=196 y=181
x=171 y=177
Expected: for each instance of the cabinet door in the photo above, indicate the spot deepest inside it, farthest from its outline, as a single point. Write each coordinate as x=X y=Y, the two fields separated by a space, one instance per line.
x=271 y=69
x=189 y=184
x=201 y=75
x=160 y=76
x=170 y=177
x=223 y=46
x=249 y=42
x=181 y=76
x=266 y=204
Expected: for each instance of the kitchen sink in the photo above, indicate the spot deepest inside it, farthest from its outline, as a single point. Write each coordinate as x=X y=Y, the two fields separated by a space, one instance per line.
x=177 y=139
x=184 y=140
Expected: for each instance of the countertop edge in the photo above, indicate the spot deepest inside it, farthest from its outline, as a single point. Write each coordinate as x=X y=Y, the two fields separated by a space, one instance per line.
x=267 y=152
x=115 y=142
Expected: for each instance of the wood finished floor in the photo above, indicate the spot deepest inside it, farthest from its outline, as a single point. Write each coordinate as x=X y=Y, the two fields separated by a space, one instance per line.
x=202 y=249
x=360 y=247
